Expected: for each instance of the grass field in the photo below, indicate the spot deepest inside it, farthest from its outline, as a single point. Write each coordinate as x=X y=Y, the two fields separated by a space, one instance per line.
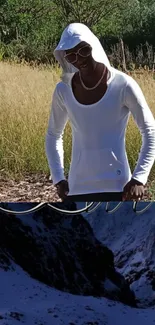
x=25 y=97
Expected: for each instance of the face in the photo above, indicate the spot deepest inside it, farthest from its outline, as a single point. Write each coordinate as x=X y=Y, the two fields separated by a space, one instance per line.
x=83 y=61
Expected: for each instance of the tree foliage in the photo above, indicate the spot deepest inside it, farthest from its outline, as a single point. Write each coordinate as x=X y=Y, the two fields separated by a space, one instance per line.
x=31 y=29
x=86 y=11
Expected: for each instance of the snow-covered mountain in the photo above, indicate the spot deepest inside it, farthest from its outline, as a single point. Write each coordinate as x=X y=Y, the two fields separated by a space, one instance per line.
x=24 y=300
x=131 y=237
x=53 y=270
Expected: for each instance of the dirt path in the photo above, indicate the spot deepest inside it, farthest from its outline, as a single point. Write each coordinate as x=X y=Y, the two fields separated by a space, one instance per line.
x=34 y=189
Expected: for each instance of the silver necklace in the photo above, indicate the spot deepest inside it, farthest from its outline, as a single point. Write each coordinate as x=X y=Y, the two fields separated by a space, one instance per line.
x=87 y=88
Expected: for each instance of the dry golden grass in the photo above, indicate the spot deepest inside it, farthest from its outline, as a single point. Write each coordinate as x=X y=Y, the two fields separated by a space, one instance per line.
x=25 y=97
x=146 y=81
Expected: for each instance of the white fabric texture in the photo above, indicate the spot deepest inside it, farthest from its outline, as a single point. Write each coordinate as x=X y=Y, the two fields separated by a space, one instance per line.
x=99 y=161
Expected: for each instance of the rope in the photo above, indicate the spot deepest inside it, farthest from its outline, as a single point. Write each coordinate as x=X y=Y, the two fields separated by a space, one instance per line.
x=41 y=205
x=72 y=212
x=93 y=209
x=38 y=207
x=87 y=208
x=113 y=210
x=140 y=211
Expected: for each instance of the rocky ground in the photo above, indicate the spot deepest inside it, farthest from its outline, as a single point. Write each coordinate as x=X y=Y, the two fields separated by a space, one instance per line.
x=39 y=188
x=34 y=188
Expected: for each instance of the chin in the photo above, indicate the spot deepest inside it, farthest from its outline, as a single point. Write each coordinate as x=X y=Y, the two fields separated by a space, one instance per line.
x=85 y=66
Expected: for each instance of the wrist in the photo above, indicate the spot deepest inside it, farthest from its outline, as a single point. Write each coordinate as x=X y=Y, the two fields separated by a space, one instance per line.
x=136 y=181
x=60 y=182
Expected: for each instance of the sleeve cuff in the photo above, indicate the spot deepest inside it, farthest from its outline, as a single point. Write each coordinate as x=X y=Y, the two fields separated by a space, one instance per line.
x=140 y=178
x=57 y=178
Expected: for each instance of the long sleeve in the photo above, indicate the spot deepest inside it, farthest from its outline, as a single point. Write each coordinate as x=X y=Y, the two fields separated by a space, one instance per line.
x=54 y=137
x=136 y=103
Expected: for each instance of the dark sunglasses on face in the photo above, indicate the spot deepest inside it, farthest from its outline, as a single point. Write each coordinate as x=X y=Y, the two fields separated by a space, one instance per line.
x=84 y=51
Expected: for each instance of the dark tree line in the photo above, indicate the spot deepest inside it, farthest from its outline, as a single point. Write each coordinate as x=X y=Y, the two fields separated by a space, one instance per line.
x=31 y=29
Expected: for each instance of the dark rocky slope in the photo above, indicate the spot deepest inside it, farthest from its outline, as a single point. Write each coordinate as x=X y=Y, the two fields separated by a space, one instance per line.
x=62 y=252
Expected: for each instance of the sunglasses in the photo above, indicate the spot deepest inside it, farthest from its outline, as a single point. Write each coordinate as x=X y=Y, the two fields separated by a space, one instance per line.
x=84 y=51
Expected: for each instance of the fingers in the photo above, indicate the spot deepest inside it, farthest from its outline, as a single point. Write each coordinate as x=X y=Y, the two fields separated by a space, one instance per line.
x=135 y=196
x=133 y=191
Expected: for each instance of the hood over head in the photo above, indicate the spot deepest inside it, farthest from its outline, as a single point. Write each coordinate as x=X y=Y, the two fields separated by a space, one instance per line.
x=72 y=35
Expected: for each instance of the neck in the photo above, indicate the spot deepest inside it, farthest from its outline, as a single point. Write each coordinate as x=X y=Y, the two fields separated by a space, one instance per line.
x=103 y=77
x=89 y=72
x=93 y=72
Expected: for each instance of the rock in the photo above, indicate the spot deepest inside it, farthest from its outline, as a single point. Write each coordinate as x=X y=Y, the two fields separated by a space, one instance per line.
x=61 y=251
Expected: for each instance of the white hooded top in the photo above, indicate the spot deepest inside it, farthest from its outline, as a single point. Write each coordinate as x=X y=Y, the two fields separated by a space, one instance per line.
x=99 y=161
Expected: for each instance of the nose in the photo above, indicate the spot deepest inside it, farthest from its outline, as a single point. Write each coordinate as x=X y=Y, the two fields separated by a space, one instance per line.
x=80 y=59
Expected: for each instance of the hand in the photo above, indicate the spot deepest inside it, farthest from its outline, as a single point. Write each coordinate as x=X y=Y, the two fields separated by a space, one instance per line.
x=133 y=191
x=62 y=189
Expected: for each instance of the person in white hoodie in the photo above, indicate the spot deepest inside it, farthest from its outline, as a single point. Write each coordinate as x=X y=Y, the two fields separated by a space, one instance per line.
x=97 y=99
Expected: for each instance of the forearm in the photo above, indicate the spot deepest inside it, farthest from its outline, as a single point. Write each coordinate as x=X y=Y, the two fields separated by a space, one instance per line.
x=136 y=102
x=54 y=137
x=55 y=156
x=146 y=156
